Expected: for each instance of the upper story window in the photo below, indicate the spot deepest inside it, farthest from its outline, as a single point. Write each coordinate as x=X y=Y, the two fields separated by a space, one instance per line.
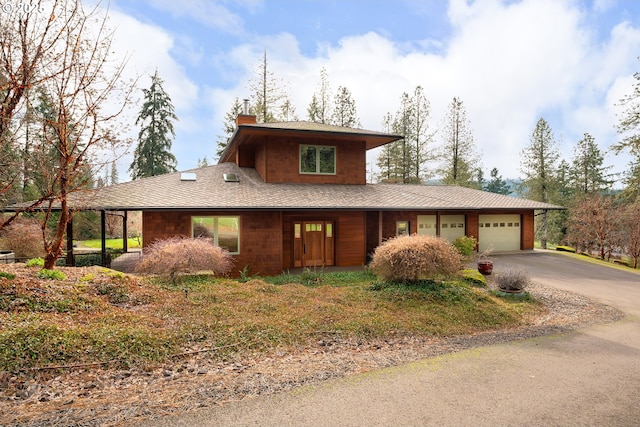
x=318 y=159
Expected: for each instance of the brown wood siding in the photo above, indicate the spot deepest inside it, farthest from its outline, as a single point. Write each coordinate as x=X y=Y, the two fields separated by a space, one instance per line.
x=373 y=231
x=472 y=228
x=258 y=232
x=246 y=157
x=349 y=235
x=527 y=230
x=282 y=164
x=261 y=160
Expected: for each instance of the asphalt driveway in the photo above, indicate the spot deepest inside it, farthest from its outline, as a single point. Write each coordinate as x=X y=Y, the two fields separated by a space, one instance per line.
x=590 y=377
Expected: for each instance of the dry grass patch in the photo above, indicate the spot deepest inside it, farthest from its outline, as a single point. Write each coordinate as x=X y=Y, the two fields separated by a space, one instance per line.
x=98 y=315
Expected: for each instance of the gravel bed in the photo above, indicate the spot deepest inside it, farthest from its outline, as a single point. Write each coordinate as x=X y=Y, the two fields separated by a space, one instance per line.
x=107 y=397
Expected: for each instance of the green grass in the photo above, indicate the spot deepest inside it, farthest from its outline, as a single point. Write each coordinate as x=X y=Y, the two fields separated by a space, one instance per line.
x=92 y=318
x=111 y=243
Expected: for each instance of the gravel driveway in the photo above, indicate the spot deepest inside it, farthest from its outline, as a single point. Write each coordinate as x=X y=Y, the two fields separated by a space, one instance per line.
x=590 y=376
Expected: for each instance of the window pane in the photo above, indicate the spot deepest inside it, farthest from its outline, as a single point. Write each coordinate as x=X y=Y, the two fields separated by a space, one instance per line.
x=203 y=227
x=329 y=230
x=307 y=159
x=224 y=231
x=327 y=159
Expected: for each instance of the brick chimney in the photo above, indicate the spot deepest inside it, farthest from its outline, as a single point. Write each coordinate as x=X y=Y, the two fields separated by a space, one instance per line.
x=245 y=118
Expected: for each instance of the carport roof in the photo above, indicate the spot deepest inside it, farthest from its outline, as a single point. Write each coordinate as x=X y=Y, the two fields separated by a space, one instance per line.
x=210 y=191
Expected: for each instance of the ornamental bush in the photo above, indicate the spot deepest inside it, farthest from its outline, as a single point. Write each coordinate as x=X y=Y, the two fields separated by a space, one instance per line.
x=173 y=256
x=413 y=258
x=24 y=238
x=465 y=245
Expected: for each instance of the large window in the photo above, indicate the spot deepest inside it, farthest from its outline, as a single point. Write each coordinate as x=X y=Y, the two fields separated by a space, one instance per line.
x=318 y=159
x=224 y=230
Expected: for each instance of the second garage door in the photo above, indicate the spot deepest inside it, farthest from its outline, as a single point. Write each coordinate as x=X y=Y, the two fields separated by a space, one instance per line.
x=501 y=232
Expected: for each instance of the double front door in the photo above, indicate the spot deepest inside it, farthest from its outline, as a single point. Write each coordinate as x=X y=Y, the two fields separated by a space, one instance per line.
x=313 y=243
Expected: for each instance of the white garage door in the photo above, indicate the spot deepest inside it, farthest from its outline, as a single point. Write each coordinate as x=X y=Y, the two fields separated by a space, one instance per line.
x=501 y=232
x=451 y=227
x=427 y=225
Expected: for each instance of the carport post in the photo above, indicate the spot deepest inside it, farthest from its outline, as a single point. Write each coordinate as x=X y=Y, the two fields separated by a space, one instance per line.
x=70 y=258
x=103 y=228
x=125 y=235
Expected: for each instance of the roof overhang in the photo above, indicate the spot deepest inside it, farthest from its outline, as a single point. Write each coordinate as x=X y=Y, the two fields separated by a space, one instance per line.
x=248 y=134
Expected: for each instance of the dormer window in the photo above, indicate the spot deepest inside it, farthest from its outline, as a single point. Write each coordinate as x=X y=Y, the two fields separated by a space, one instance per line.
x=317 y=159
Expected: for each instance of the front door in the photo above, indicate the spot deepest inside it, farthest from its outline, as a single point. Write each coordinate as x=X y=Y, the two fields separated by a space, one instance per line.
x=313 y=243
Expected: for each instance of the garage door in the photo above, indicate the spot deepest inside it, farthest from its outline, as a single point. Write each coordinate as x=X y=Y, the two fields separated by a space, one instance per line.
x=501 y=232
x=451 y=226
x=427 y=225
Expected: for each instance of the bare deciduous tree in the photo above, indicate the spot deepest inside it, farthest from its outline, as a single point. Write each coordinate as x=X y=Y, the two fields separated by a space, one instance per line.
x=593 y=224
x=66 y=51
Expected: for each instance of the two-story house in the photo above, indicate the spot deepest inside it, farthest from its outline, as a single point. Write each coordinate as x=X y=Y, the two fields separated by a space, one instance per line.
x=294 y=194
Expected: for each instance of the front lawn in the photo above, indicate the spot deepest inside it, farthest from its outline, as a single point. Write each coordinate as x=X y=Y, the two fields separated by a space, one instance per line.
x=111 y=243
x=99 y=315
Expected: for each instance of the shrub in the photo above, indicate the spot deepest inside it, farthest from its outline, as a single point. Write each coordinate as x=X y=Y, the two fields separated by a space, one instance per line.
x=35 y=262
x=24 y=238
x=512 y=280
x=177 y=255
x=412 y=258
x=465 y=245
x=51 y=274
x=6 y=275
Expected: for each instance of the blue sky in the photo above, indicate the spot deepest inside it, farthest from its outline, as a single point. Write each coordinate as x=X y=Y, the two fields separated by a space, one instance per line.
x=511 y=62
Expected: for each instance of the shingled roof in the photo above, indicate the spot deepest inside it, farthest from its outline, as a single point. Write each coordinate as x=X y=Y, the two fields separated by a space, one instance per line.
x=246 y=133
x=210 y=191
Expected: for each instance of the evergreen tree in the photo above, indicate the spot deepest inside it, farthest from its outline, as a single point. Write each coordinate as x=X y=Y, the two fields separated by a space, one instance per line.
x=458 y=152
x=113 y=177
x=269 y=101
x=153 y=153
x=203 y=162
x=539 y=166
x=344 y=110
x=421 y=135
x=629 y=125
x=405 y=160
x=497 y=184
x=229 y=126
x=319 y=110
x=587 y=175
x=389 y=158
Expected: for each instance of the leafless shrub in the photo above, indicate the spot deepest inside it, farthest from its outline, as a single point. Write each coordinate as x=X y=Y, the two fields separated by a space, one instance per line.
x=512 y=280
x=177 y=255
x=412 y=258
x=24 y=238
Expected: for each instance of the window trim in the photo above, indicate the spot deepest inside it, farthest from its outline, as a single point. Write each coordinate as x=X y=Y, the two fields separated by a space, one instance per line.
x=317 y=148
x=216 y=234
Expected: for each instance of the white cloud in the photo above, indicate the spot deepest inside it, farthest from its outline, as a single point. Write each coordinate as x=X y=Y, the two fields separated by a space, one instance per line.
x=510 y=63
x=207 y=12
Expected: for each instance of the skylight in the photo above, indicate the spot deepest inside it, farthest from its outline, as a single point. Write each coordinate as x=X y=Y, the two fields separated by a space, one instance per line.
x=231 y=177
x=187 y=176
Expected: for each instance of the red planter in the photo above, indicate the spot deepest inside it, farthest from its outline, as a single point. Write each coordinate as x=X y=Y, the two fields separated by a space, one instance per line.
x=485 y=267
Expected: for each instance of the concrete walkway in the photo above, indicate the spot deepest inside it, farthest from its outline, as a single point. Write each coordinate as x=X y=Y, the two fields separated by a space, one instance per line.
x=127 y=261
x=589 y=377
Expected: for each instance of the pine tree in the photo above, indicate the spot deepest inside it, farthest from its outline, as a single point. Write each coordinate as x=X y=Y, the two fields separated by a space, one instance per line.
x=344 y=112
x=497 y=184
x=629 y=125
x=587 y=175
x=113 y=177
x=229 y=126
x=405 y=161
x=319 y=109
x=458 y=151
x=153 y=153
x=538 y=164
x=269 y=100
